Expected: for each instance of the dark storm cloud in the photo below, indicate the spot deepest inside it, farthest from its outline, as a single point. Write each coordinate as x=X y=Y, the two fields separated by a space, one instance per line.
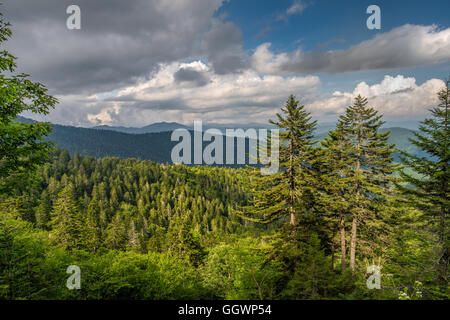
x=119 y=41
x=166 y=105
x=192 y=76
x=223 y=43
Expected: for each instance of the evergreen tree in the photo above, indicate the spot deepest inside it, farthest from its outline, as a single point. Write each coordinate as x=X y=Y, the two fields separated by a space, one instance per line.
x=117 y=232
x=334 y=182
x=19 y=207
x=312 y=275
x=281 y=194
x=68 y=224
x=369 y=163
x=21 y=259
x=430 y=184
x=183 y=242
x=133 y=236
x=43 y=211
x=93 y=226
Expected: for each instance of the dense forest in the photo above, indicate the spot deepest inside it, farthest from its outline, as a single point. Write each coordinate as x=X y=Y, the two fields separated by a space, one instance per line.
x=337 y=213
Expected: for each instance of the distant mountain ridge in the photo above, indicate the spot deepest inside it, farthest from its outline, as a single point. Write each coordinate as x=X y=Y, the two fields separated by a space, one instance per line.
x=151 y=128
x=170 y=126
x=157 y=146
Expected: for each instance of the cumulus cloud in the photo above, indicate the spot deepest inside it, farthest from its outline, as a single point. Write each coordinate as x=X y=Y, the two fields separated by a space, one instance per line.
x=231 y=96
x=393 y=96
x=105 y=116
x=244 y=97
x=405 y=46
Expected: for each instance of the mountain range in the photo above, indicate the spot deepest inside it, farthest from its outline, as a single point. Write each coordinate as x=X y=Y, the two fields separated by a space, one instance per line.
x=153 y=142
x=170 y=126
x=152 y=128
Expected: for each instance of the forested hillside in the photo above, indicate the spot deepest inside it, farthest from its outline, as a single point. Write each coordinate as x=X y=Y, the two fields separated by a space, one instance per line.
x=142 y=230
x=109 y=213
x=346 y=216
x=156 y=146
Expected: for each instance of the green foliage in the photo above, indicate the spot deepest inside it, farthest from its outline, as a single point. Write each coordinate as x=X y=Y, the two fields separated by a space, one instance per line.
x=359 y=180
x=181 y=241
x=152 y=276
x=68 y=224
x=311 y=276
x=429 y=188
x=285 y=193
x=22 y=147
x=240 y=271
x=21 y=259
x=134 y=204
x=43 y=212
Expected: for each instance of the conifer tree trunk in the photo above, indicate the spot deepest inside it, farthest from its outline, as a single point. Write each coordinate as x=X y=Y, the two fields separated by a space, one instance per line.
x=342 y=233
x=354 y=239
x=353 y=244
x=332 y=254
x=443 y=277
x=291 y=182
x=444 y=257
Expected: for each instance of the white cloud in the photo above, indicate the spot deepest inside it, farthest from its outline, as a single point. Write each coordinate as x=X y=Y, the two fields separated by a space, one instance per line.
x=246 y=97
x=405 y=46
x=238 y=97
x=105 y=116
x=297 y=7
x=393 y=96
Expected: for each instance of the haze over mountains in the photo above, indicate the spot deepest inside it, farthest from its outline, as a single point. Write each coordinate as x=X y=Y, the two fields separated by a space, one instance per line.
x=153 y=142
x=170 y=126
x=152 y=128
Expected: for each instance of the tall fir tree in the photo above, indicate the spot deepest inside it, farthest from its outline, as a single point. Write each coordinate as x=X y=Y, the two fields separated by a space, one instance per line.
x=429 y=186
x=117 y=231
x=93 y=226
x=68 y=223
x=279 y=195
x=43 y=211
x=335 y=199
x=369 y=163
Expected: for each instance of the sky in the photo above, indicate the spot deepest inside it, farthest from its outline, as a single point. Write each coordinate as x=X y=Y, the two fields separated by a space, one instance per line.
x=134 y=63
